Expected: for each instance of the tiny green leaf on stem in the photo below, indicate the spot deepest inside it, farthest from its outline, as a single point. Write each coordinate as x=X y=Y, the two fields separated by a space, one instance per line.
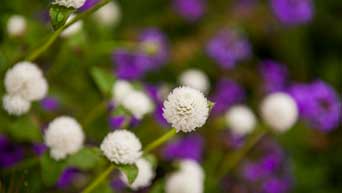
x=59 y=15
x=131 y=172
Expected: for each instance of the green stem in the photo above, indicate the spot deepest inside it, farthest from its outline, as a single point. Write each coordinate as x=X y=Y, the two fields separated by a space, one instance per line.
x=37 y=52
x=99 y=179
x=160 y=141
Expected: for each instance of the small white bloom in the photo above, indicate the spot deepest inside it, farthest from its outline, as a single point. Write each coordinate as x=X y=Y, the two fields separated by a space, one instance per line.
x=186 y=109
x=121 y=89
x=26 y=80
x=109 y=14
x=145 y=175
x=240 y=119
x=73 y=29
x=70 y=3
x=16 y=25
x=195 y=79
x=138 y=103
x=121 y=147
x=192 y=168
x=15 y=105
x=64 y=136
x=279 y=111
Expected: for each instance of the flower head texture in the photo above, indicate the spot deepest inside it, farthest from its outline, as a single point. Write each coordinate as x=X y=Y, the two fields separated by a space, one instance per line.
x=70 y=3
x=121 y=147
x=195 y=79
x=16 y=25
x=109 y=14
x=138 y=103
x=279 y=110
x=16 y=105
x=64 y=136
x=293 y=12
x=145 y=175
x=186 y=109
x=121 y=89
x=25 y=79
x=240 y=119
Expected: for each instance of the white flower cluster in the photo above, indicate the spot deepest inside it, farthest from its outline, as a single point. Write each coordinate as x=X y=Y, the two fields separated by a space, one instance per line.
x=108 y=15
x=145 y=175
x=195 y=79
x=136 y=102
x=121 y=147
x=186 y=109
x=16 y=25
x=70 y=3
x=279 y=111
x=189 y=179
x=24 y=83
x=240 y=119
x=64 y=136
x=73 y=29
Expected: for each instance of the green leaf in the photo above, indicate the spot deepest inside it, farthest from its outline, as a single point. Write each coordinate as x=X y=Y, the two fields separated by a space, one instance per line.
x=51 y=169
x=158 y=187
x=24 y=129
x=103 y=79
x=86 y=158
x=152 y=159
x=131 y=172
x=59 y=15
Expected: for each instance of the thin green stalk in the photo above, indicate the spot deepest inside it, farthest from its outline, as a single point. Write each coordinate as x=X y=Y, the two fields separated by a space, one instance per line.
x=37 y=52
x=160 y=141
x=99 y=179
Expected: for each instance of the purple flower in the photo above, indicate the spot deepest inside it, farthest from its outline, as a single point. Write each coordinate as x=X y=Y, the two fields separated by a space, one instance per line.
x=227 y=93
x=88 y=4
x=116 y=122
x=189 y=147
x=153 y=92
x=252 y=172
x=274 y=185
x=190 y=10
x=118 y=185
x=274 y=75
x=39 y=148
x=67 y=177
x=10 y=153
x=49 y=104
x=318 y=104
x=271 y=162
x=292 y=12
x=228 y=48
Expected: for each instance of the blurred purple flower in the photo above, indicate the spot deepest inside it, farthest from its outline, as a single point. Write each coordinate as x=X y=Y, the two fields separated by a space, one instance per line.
x=271 y=162
x=252 y=172
x=88 y=4
x=274 y=75
x=292 y=12
x=116 y=122
x=318 y=104
x=188 y=147
x=274 y=185
x=153 y=92
x=10 y=153
x=118 y=185
x=67 y=177
x=49 y=104
x=39 y=148
x=190 y=10
x=228 y=47
x=227 y=93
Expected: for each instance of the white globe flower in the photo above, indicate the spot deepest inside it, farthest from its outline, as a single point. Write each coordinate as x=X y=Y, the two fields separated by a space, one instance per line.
x=145 y=175
x=279 y=110
x=240 y=119
x=186 y=109
x=70 y=3
x=73 y=29
x=192 y=168
x=26 y=80
x=195 y=79
x=15 y=105
x=16 y=25
x=121 y=147
x=109 y=14
x=121 y=89
x=138 y=103
x=64 y=136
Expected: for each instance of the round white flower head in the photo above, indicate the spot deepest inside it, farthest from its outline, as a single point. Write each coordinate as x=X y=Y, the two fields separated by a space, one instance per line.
x=279 y=111
x=192 y=168
x=240 y=119
x=109 y=14
x=195 y=79
x=16 y=25
x=120 y=90
x=15 y=105
x=186 y=109
x=70 y=3
x=121 y=147
x=73 y=29
x=64 y=136
x=138 y=103
x=145 y=175
x=26 y=80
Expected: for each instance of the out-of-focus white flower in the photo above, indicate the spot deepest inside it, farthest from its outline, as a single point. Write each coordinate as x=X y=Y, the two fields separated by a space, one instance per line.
x=70 y=3
x=240 y=119
x=16 y=25
x=145 y=175
x=192 y=168
x=138 y=103
x=186 y=109
x=73 y=29
x=109 y=14
x=26 y=80
x=279 y=110
x=121 y=89
x=195 y=79
x=64 y=136
x=15 y=105
x=121 y=147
